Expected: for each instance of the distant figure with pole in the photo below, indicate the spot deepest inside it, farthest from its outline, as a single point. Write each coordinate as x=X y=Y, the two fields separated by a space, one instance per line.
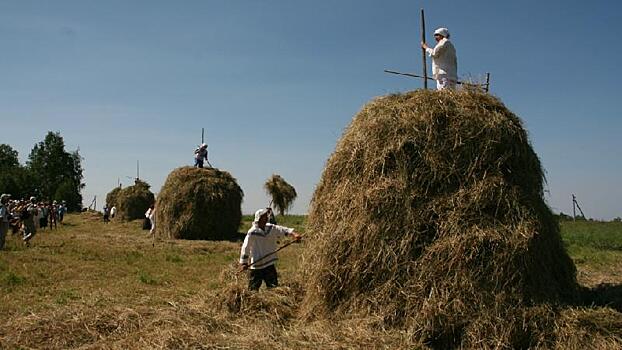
x=200 y=154
x=259 y=250
x=444 y=60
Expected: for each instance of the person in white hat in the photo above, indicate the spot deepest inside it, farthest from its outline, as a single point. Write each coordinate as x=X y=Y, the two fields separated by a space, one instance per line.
x=259 y=250
x=444 y=60
x=200 y=154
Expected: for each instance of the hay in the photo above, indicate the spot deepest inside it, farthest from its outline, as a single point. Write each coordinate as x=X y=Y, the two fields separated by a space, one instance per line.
x=197 y=203
x=112 y=197
x=282 y=193
x=430 y=215
x=133 y=201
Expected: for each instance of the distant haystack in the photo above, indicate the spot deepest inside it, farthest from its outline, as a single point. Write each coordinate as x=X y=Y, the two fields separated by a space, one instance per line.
x=133 y=201
x=282 y=193
x=199 y=203
x=430 y=215
x=112 y=197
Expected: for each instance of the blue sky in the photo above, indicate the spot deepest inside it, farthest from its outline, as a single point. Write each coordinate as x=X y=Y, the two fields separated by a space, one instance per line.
x=274 y=83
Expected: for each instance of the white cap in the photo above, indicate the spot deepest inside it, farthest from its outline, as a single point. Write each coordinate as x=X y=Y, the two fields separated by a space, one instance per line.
x=204 y=145
x=259 y=213
x=32 y=199
x=442 y=31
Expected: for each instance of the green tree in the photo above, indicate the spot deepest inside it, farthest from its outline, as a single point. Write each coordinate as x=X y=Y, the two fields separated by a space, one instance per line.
x=14 y=178
x=58 y=172
x=282 y=193
x=8 y=157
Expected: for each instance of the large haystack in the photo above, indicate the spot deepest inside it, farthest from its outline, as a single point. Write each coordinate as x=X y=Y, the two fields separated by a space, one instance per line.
x=197 y=203
x=430 y=215
x=133 y=201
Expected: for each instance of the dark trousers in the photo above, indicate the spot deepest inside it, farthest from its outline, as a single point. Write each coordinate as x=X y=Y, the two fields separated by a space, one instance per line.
x=268 y=274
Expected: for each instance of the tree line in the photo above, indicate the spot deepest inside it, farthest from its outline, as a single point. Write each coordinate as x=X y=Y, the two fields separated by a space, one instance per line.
x=50 y=173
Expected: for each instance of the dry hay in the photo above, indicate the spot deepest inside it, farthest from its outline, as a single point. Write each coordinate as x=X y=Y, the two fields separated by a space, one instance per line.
x=133 y=201
x=111 y=197
x=283 y=194
x=92 y=215
x=430 y=215
x=197 y=203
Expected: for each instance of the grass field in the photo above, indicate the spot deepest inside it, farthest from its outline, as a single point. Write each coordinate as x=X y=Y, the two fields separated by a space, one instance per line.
x=95 y=285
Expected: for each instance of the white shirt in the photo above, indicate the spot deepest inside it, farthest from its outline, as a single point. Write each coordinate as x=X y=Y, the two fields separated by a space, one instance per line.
x=113 y=211
x=260 y=243
x=444 y=60
x=150 y=214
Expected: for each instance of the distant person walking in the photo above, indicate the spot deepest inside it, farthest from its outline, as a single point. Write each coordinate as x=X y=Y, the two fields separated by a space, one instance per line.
x=200 y=155
x=151 y=217
x=28 y=215
x=444 y=60
x=62 y=209
x=4 y=218
x=259 y=250
x=106 y=214
x=53 y=214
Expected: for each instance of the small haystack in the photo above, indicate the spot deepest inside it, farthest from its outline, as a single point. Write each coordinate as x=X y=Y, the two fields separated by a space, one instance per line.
x=197 y=203
x=111 y=197
x=430 y=215
x=283 y=194
x=133 y=201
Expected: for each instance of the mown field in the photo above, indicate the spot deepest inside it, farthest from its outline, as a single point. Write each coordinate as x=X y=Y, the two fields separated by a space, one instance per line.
x=95 y=285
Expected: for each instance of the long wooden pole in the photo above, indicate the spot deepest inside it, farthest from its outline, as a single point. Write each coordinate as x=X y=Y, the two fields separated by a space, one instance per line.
x=428 y=78
x=202 y=135
x=425 y=65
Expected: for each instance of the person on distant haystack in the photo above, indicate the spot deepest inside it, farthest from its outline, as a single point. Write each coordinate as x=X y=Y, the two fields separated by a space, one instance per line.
x=4 y=218
x=200 y=154
x=151 y=218
x=259 y=250
x=28 y=216
x=444 y=60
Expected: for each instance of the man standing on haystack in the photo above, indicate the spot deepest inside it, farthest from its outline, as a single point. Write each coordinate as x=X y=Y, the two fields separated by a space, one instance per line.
x=259 y=250
x=200 y=154
x=444 y=60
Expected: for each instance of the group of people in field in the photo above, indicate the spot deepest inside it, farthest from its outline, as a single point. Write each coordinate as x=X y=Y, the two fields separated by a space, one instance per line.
x=27 y=216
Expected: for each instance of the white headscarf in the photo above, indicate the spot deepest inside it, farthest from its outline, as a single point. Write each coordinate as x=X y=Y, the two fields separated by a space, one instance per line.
x=442 y=31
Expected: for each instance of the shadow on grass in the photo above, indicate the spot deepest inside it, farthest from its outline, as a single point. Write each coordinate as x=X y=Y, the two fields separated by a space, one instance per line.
x=606 y=294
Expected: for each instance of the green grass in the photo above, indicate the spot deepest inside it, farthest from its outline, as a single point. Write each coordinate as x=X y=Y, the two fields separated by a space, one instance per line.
x=594 y=243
